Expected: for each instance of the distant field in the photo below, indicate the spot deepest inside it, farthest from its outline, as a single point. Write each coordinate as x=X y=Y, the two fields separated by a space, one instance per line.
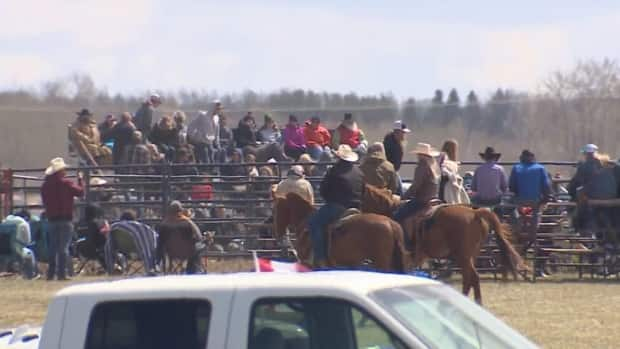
x=556 y=313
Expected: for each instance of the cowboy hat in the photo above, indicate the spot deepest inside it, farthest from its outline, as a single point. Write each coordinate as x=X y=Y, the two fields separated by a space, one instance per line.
x=56 y=164
x=96 y=181
x=489 y=153
x=425 y=149
x=84 y=112
x=400 y=126
x=345 y=153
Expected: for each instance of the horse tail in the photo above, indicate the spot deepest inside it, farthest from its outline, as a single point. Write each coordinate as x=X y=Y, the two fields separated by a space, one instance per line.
x=399 y=254
x=510 y=258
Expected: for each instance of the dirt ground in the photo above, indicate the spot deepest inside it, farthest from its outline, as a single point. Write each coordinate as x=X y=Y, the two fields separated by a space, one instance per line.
x=556 y=313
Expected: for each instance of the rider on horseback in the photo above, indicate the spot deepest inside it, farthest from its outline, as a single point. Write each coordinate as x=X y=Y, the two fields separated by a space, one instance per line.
x=425 y=186
x=341 y=189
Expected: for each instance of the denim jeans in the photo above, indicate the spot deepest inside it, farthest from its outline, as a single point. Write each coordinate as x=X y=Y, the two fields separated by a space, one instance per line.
x=315 y=152
x=204 y=153
x=60 y=235
x=399 y=182
x=327 y=214
x=406 y=210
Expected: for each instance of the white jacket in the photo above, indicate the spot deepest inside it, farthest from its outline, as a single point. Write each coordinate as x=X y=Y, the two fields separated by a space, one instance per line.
x=453 y=190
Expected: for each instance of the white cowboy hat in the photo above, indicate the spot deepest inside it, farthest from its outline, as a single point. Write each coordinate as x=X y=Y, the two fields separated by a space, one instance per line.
x=589 y=148
x=399 y=125
x=425 y=149
x=56 y=164
x=345 y=153
x=96 y=181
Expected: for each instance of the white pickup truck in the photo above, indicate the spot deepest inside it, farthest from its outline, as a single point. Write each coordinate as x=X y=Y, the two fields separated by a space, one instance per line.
x=317 y=310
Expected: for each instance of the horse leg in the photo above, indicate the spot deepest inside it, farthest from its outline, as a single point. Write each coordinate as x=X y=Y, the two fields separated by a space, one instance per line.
x=475 y=281
x=466 y=271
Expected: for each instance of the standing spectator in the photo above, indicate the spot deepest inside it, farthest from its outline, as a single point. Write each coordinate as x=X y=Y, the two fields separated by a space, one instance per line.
x=293 y=136
x=246 y=132
x=201 y=134
x=178 y=233
x=166 y=136
x=180 y=120
x=23 y=240
x=106 y=126
x=489 y=182
x=57 y=194
x=349 y=133
x=317 y=138
x=122 y=134
x=377 y=170
x=295 y=182
x=394 y=144
x=269 y=132
x=144 y=115
x=226 y=135
x=451 y=189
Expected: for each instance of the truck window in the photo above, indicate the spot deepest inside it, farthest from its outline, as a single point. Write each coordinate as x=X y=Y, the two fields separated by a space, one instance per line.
x=315 y=323
x=149 y=325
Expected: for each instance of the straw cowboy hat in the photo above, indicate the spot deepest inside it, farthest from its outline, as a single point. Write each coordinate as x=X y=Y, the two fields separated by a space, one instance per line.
x=345 y=153
x=489 y=153
x=56 y=164
x=425 y=149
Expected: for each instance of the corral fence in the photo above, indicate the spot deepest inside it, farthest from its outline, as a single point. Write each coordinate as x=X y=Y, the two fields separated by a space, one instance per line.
x=237 y=208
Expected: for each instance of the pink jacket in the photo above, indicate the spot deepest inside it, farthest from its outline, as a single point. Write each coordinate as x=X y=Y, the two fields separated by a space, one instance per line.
x=294 y=137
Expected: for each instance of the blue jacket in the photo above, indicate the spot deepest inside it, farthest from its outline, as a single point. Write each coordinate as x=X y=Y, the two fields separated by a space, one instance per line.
x=529 y=182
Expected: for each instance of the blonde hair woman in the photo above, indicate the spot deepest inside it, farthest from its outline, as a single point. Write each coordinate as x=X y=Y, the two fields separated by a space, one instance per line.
x=451 y=188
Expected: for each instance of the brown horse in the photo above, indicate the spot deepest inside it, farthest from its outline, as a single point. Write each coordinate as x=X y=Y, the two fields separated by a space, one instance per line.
x=456 y=232
x=361 y=238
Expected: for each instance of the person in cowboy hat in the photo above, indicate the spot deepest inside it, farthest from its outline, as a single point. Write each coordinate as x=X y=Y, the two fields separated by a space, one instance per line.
x=57 y=194
x=489 y=182
x=377 y=170
x=296 y=182
x=349 y=133
x=84 y=134
x=425 y=186
x=341 y=189
x=394 y=144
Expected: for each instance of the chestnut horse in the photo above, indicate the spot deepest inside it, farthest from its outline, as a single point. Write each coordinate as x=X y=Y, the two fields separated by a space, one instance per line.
x=361 y=238
x=456 y=232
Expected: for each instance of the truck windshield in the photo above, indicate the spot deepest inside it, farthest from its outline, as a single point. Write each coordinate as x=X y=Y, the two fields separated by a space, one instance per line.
x=443 y=318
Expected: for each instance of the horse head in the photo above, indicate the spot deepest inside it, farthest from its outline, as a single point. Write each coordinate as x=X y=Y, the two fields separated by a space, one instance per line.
x=379 y=201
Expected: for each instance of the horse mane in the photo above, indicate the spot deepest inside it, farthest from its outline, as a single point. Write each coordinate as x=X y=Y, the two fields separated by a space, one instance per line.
x=378 y=200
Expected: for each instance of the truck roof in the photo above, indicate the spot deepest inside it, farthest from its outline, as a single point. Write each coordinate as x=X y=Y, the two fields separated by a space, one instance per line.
x=353 y=281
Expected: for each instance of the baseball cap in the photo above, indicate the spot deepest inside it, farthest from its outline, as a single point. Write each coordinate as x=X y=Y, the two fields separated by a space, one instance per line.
x=399 y=125
x=589 y=148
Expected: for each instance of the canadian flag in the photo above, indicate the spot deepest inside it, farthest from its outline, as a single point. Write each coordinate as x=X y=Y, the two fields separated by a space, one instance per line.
x=264 y=265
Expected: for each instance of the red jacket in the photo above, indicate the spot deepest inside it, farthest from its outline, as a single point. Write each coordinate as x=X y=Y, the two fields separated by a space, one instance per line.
x=348 y=136
x=319 y=136
x=57 y=194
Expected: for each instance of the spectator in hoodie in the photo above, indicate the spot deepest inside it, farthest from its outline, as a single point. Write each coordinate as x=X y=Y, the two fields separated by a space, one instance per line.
x=22 y=241
x=104 y=128
x=202 y=134
x=246 y=132
x=318 y=138
x=350 y=134
x=269 y=132
x=166 y=136
x=377 y=170
x=57 y=194
x=293 y=136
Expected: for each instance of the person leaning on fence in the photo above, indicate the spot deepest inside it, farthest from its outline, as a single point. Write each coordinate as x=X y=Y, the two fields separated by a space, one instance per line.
x=85 y=137
x=489 y=182
x=318 y=139
x=57 y=194
x=23 y=241
x=293 y=137
x=144 y=115
x=451 y=189
x=596 y=178
x=394 y=144
x=349 y=133
x=178 y=233
x=295 y=182
x=377 y=170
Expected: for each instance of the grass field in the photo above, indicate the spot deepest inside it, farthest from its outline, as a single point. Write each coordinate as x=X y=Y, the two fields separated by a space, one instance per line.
x=556 y=313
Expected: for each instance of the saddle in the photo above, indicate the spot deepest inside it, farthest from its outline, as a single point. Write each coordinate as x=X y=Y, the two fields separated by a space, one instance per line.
x=422 y=220
x=344 y=218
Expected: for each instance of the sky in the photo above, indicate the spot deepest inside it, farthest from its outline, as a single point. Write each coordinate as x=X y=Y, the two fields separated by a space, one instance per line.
x=408 y=48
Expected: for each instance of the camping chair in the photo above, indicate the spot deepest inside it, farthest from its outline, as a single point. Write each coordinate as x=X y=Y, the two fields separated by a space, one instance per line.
x=85 y=253
x=9 y=255
x=126 y=252
x=177 y=252
x=132 y=244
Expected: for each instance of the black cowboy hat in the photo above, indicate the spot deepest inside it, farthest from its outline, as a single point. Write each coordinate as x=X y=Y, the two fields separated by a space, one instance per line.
x=526 y=153
x=489 y=153
x=84 y=112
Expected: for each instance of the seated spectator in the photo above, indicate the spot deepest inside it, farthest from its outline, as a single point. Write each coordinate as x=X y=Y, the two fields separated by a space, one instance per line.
x=269 y=132
x=184 y=157
x=23 y=240
x=310 y=168
x=166 y=137
x=131 y=237
x=293 y=136
x=295 y=182
x=85 y=137
x=317 y=138
x=451 y=189
x=202 y=134
x=104 y=127
x=121 y=134
x=350 y=134
x=180 y=120
x=226 y=135
x=489 y=182
x=246 y=132
x=377 y=170
x=139 y=153
x=180 y=236
x=96 y=232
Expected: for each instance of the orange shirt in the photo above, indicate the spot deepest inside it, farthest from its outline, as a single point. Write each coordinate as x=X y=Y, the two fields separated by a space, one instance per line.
x=319 y=136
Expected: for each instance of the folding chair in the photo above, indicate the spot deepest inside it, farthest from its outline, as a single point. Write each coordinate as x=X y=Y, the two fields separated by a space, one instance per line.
x=178 y=252
x=10 y=258
x=127 y=254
